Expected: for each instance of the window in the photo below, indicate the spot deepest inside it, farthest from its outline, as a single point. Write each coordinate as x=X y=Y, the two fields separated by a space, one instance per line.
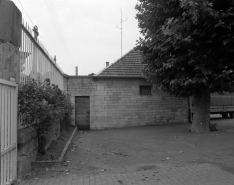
x=145 y=90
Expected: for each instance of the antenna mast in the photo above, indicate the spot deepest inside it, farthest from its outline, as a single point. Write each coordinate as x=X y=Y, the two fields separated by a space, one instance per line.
x=121 y=28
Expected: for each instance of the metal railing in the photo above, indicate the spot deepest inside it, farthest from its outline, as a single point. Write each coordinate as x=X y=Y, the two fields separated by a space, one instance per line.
x=35 y=60
x=8 y=128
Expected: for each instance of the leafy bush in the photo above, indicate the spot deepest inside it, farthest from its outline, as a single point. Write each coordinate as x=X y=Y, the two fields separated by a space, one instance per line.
x=41 y=105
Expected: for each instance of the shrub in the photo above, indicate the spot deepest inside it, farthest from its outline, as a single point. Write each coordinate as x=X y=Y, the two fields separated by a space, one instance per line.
x=42 y=104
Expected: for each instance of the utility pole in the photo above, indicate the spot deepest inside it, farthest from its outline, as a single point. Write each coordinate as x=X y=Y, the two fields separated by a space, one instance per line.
x=121 y=28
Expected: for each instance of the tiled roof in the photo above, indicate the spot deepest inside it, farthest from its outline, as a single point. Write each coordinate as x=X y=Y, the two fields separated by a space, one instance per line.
x=130 y=65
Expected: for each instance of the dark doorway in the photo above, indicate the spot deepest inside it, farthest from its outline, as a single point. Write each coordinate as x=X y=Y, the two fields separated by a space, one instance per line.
x=82 y=112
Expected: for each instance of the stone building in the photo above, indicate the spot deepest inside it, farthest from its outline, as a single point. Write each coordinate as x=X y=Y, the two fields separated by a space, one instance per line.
x=119 y=96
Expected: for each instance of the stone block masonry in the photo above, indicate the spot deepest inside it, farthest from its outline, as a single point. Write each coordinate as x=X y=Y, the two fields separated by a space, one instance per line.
x=65 y=84
x=28 y=146
x=10 y=23
x=116 y=103
x=81 y=86
x=10 y=40
x=27 y=150
x=9 y=62
x=125 y=107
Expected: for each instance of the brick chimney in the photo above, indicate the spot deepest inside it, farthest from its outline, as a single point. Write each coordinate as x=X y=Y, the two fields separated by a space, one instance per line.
x=107 y=64
x=76 y=70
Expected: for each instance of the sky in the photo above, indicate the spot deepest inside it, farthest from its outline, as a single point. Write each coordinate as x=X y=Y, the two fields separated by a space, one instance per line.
x=83 y=33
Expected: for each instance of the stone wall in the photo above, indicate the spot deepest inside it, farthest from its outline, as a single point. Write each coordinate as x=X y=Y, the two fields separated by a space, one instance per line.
x=81 y=86
x=27 y=150
x=10 y=23
x=9 y=61
x=10 y=40
x=28 y=147
x=65 y=84
x=116 y=102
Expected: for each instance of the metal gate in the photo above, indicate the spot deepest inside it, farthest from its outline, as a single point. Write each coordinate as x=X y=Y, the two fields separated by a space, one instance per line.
x=8 y=128
x=82 y=112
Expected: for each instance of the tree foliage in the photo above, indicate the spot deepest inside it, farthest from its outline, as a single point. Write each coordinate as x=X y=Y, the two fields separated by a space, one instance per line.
x=188 y=45
x=41 y=105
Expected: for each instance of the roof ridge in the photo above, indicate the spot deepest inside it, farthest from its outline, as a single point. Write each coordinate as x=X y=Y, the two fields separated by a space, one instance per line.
x=114 y=62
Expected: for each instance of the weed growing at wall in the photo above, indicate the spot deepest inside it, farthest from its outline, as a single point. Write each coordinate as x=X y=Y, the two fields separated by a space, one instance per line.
x=42 y=104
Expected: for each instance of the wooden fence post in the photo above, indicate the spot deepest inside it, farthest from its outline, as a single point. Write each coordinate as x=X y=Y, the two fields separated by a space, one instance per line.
x=10 y=40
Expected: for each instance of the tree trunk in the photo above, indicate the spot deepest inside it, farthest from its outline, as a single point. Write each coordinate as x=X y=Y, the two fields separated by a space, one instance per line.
x=201 y=118
x=41 y=144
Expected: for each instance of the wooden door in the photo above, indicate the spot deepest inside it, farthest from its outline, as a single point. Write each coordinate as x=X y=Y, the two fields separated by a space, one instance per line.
x=82 y=112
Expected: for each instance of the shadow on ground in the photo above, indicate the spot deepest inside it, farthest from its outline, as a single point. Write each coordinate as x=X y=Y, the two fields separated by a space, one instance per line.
x=143 y=148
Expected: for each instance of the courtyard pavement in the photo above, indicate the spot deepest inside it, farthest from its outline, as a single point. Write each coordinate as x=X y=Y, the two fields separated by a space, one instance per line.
x=199 y=174
x=158 y=155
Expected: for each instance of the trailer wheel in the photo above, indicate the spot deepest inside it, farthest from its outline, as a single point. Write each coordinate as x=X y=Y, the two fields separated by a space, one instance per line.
x=224 y=115
x=231 y=114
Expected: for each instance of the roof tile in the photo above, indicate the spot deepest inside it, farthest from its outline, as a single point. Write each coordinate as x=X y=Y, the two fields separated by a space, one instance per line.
x=130 y=65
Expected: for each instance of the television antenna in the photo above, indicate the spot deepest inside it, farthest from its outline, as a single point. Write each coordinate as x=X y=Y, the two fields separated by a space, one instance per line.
x=121 y=28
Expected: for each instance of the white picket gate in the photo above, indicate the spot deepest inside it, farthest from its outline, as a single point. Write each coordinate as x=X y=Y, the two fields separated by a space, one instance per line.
x=8 y=128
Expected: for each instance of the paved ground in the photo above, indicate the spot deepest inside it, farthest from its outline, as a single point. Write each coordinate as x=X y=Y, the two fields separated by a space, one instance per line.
x=145 y=155
x=202 y=174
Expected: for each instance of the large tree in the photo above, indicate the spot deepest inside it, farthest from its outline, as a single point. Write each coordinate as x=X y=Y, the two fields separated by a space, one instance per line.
x=188 y=49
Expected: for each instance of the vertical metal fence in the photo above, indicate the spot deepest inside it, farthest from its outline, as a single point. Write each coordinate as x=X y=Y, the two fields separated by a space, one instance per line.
x=8 y=129
x=35 y=61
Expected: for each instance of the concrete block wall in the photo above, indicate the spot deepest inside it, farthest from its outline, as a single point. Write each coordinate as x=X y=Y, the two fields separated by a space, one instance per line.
x=81 y=86
x=28 y=147
x=65 y=85
x=10 y=40
x=10 y=23
x=27 y=150
x=9 y=61
x=116 y=102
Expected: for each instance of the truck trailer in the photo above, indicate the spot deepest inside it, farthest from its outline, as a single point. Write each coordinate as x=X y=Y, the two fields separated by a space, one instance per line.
x=219 y=104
